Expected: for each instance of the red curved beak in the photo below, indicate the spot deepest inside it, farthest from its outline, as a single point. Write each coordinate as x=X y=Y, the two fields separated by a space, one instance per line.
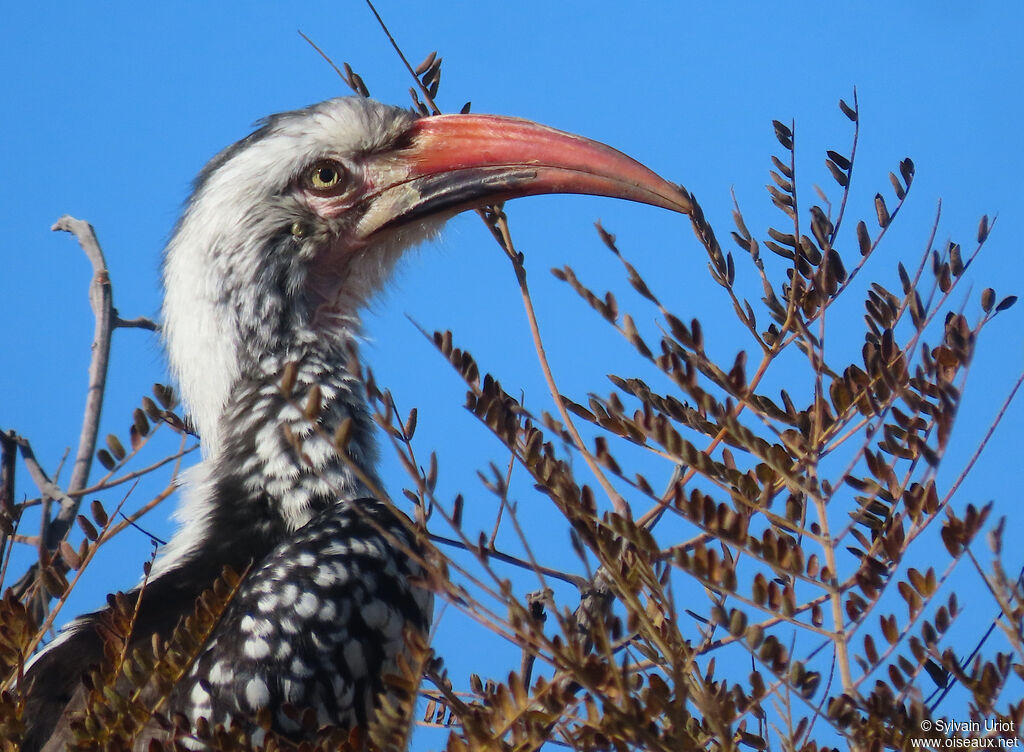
x=449 y=163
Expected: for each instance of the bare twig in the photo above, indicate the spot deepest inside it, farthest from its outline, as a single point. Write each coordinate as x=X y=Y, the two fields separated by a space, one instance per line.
x=108 y=481
x=101 y=298
x=8 y=447
x=8 y=512
x=322 y=54
x=47 y=623
x=47 y=487
x=969 y=465
x=423 y=89
x=139 y=322
x=497 y=221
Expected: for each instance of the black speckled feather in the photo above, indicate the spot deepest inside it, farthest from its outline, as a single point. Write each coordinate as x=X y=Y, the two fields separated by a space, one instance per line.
x=316 y=626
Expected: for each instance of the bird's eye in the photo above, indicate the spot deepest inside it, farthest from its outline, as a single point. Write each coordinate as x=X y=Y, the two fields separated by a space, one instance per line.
x=325 y=176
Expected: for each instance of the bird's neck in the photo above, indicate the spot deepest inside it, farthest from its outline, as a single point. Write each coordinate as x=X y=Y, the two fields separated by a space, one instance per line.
x=278 y=427
x=275 y=463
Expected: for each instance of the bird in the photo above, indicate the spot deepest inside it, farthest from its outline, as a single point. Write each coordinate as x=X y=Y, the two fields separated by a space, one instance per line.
x=286 y=237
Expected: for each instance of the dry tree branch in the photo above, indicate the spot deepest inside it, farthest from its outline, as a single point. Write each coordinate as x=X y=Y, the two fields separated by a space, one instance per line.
x=398 y=50
x=54 y=530
x=8 y=451
x=10 y=514
x=48 y=622
x=503 y=501
x=101 y=299
x=113 y=482
x=47 y=487
x=969 y=465
x=498 y=222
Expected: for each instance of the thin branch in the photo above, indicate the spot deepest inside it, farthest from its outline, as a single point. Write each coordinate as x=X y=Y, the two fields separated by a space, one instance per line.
x=503 y=501
x=493 y=553
x=47 y=487
x=108 y=482
x=323 y=55
x=9 y=514
x=172 y=486
x=48 y=622
x=503 y=236
x=101 y=298
x=984 y=441
x=8 y=448
x=139 y=322
x=423 y=89
x=849 y=174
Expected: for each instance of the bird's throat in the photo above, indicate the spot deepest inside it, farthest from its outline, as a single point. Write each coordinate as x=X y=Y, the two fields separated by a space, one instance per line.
x=276 y=463
x=278 y=428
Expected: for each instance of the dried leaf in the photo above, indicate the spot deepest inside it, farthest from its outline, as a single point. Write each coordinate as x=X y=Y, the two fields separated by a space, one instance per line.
x=99 y=514
x=116 y=448
x=427 y=62
x=783 y=134
x=863 y=239
x=907 y=171
x=881 y=211
x=1006 y=302
x=848 y=111
x=983 y=229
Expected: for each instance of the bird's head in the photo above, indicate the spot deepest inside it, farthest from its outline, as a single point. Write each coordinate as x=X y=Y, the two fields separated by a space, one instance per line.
x=293 y=228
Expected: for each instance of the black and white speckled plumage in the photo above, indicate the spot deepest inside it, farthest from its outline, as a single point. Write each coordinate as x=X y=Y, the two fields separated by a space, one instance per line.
x=316 y=626
x=273 y=490
x=244 y=298
x=334 y=573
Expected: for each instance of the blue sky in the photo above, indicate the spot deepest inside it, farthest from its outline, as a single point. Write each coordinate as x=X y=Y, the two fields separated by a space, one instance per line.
x=110 y=110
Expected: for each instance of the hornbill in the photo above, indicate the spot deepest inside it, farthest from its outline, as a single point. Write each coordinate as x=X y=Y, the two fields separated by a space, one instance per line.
x=286 y=236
